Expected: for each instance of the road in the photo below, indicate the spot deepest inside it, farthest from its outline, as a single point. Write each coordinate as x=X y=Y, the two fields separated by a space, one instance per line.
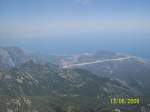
x=98 y=61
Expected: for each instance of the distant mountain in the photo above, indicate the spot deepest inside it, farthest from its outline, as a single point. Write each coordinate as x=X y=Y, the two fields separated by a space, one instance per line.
x=5 y=59
x=129 y=69
x=12 y=56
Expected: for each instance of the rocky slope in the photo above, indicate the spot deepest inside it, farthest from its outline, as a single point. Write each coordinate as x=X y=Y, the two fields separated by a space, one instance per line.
x=27 y=85
x=12 y=56
x=128 y=69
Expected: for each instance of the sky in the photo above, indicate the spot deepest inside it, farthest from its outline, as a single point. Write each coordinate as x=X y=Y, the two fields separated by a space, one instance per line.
x=56 y=25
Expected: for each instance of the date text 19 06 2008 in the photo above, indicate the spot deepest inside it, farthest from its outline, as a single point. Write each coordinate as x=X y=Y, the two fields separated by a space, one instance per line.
x=125 y=101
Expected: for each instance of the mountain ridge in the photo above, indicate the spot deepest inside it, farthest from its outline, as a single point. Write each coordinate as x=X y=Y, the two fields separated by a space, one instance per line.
x=32 y=83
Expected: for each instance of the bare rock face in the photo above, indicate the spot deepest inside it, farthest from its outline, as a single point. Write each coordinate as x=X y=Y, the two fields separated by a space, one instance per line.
x=12 y=56
x=5 y=59
x=18 y=55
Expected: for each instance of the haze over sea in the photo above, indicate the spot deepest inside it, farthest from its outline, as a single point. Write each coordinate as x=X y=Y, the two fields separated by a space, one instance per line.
x=76 y=26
